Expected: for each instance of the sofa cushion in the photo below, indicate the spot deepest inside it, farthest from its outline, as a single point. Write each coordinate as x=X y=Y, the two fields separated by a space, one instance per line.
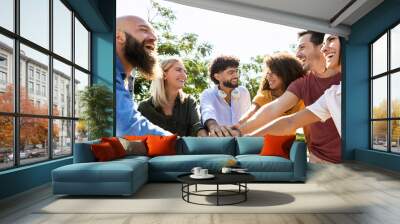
x=257 y=163
x=83 y=152
x=134 y=147
x=277 y=145
x=129 y=159
x=249 y=145
x=161 y=145
x=116 y=145
x=112 y=171
x=185 y=163
x=206 y=145
x=103 y=152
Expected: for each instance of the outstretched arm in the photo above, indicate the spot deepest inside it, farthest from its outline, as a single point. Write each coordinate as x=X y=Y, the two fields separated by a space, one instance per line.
x=130 y=121
x=269 y=112
x=287 y=125
x=253 y=109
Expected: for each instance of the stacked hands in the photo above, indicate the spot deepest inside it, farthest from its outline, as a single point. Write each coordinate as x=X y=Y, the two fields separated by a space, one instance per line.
x=216 y=130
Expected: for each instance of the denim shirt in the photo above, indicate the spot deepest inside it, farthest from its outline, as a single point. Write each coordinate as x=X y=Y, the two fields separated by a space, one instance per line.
x=129 y=120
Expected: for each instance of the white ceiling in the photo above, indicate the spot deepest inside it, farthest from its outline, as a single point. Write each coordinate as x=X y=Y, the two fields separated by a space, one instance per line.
x=319 y=15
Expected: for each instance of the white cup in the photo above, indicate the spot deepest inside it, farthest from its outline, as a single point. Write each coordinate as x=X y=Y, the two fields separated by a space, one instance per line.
x=196 y=171
x=226 y=170
x=203 y=172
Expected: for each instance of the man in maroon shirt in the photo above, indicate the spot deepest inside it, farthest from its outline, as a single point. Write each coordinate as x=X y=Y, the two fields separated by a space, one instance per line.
x=323 y=141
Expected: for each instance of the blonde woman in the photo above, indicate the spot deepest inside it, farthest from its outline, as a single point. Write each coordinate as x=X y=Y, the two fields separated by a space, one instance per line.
x=169 y=107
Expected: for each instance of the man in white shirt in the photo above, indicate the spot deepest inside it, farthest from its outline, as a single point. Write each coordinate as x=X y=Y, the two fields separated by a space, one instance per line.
x=223 y=104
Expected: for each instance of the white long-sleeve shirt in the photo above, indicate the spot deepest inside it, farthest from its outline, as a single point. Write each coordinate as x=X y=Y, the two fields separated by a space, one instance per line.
x=213 y=106
x=329 y=105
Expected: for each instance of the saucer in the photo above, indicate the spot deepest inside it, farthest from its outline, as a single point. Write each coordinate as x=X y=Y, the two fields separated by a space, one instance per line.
x=240 y=171
x=208 y=176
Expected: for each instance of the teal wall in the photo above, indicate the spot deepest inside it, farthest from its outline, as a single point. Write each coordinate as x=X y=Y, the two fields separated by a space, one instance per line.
x=103 y=58
x=24 y=178
x=102 y=63
x=356 y=123
x=380 y=159
x=99 y=16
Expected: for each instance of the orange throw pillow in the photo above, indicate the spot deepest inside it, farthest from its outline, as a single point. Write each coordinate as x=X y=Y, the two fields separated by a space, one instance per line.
x=161 y=145
x=103 y=152
x=116 y=145
x=277 y=145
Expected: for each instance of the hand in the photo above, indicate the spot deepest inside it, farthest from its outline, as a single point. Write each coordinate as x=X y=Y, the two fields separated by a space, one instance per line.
x=236 y=126
x=235 y=131
x=202 y=133
x=220 y=131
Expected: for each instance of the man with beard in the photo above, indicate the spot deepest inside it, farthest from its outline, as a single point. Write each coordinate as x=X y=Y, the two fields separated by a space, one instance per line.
x=223 y=104
x=136 y=49
x=323 y=139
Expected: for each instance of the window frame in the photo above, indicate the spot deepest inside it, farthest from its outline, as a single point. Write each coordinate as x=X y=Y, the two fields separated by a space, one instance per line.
x=388 y=74
x=16 y=114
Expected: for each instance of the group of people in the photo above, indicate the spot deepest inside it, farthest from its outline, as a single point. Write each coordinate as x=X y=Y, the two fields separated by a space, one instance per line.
x=296 y=91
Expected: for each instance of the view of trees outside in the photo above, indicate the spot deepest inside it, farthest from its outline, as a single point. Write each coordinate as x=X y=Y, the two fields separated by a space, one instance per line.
x=195 y=55
x=34 y=78
x=381 y=136
x=379 y=128
x=33 y=131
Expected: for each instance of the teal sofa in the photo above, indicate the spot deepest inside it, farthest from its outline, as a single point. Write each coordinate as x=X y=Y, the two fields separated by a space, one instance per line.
x=125 y=176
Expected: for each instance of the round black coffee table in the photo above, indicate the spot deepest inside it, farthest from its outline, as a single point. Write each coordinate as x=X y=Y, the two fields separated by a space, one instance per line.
x=238 y=179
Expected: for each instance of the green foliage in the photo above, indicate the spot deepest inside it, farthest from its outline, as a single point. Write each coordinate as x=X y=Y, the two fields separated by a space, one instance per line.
x=141 y=88
x=197 y=81
x=300 y=137
x=97 y=103
x=186 y=46
x=379 y=128
x=194 y=53
x=250 y=74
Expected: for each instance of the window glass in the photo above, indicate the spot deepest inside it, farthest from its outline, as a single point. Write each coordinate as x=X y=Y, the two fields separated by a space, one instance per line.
x=395 y=95
x=379 y=98
x=379 y=135
x=34 y=144
x=35 y=92
x=81 y=131
x=81 y=45
x=62 y=91
x=62 y=29
x=39 y=61
x=81 y=82
x=379 y=56
x=62 y=141
x=395 y=48
x=6 y=142
x=395 y=138
x=6 y=74
x=7 y=14
x=34 y=21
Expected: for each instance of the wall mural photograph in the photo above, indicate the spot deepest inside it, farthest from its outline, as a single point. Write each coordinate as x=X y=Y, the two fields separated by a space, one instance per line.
x=177 y=111
x=172 y=79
